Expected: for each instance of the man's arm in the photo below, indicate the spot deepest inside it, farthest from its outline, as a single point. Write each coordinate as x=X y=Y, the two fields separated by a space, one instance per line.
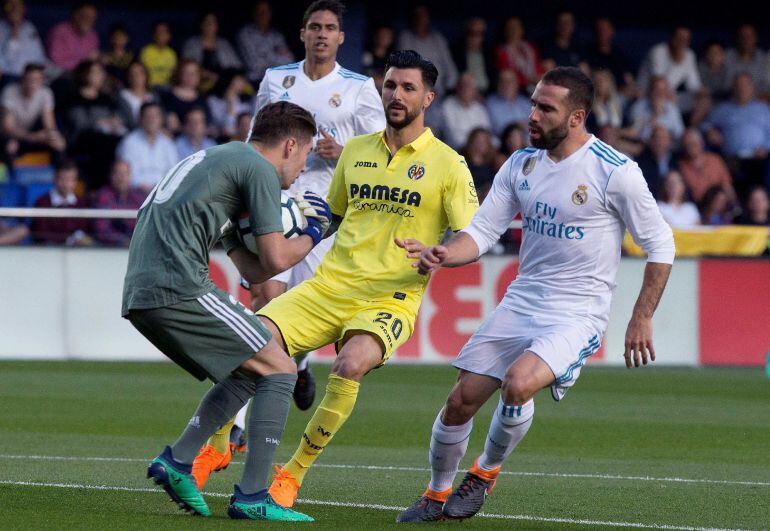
x=275 y=254
x=458 y=251
x=639 y=332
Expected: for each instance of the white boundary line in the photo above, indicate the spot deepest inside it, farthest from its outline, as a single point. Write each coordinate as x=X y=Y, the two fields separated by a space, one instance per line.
x=523 y=517
x=420 y=469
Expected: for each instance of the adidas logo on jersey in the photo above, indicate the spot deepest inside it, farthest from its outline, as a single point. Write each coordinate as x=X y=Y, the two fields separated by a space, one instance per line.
x=285 y=96
x=524 y=186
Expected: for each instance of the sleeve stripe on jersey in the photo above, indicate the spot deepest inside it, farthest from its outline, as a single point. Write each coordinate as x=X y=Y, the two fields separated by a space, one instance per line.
x=604 y=157
x=290 y=66
x=611 y=153
x=351 y=75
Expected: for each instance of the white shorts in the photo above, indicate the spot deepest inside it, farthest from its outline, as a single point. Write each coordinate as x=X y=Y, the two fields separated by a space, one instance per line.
x=304 y=269
x=505 y=335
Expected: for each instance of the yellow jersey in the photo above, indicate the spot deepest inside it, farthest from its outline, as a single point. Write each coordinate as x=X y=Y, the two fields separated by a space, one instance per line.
x=418 y=193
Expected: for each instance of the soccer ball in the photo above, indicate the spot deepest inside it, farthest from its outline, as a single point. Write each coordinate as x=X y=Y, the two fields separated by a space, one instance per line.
x=292 y=218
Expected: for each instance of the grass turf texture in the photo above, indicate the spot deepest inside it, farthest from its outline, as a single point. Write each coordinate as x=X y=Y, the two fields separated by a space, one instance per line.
x=707 y=424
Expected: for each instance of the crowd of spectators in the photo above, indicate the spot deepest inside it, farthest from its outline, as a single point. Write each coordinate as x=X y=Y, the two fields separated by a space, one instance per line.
x=116 y=116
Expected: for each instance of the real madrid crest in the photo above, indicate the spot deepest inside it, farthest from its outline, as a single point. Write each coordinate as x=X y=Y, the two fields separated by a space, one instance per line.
x=416 y=171
x=580 y=196
x=335 y=100
x=529 y=165
x=288 y=81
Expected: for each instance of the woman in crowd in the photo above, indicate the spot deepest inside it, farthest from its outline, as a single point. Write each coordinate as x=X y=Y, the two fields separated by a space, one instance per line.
x=137 y=92
x=214 y=53
x=479 y=154
x=757 y=211
x=183 y=95
x=512 y=139
x=515 y=53
x=677 y=210
x=227 y=101
x=716 y=209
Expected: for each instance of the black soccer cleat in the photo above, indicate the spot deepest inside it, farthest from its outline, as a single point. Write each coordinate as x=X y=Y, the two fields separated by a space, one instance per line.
x=423 y=510
x=468 y=497
x=304 y=389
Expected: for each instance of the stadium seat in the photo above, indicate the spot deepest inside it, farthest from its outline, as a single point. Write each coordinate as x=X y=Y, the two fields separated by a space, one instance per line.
x=33 y=174
x=34 y=191
x=11 y=195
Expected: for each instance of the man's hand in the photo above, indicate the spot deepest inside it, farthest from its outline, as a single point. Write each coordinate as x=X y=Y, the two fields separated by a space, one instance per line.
x=327 y=148
x=413 y=247
x=431 y=258
x=639 y=341
x=313 y=206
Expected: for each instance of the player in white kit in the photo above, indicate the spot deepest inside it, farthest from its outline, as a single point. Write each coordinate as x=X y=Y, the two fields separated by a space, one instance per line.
x=344 y=104
x=577 y=196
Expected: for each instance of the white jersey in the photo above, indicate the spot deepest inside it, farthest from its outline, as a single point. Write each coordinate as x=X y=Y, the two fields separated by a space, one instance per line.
x=574 y=215
x=343 y=103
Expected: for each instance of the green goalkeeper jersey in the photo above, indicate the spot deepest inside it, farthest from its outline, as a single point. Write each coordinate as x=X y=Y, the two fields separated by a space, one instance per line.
x=190 y=209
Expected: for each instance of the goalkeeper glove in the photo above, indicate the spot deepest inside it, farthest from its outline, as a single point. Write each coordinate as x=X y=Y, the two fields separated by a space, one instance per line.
x=315 y=230
x=313 y=206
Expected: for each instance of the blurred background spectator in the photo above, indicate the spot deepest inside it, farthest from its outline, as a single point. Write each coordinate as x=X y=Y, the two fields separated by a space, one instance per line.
x=20 y=42
x=147 y=150
x=463 y=112
x=513 y=138
x=675 y=62
x=228 y=100
x=602 y=55
x=656 y=160
x=159 y=58
x=757 y=209
x=431 y=44
x=376 y=54
x=714 y=73
x=62 y=231
x=701 y=170
x=193 y=137
x=136 y=93
x=118 y=57
x=674 y=205
x=608 y=105
x=260 y=45
x=657 y=109
x=183 y=95
x=516 y=54
x=507 y=105
x=562 y=50
x=118 y=194
x=747 y=58
x=31 y=103
x=715 y=208
x=212 y=52
x=472 y=55
x=75 y=40
x=93 y=122
x=479 y=153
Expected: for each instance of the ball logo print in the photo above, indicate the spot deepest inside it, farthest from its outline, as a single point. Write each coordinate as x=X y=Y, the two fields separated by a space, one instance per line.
x=416 y=171
x=580 y=196
x=293 y=221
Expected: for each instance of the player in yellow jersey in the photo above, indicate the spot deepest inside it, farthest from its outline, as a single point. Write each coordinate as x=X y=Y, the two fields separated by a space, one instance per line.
x=365 y=294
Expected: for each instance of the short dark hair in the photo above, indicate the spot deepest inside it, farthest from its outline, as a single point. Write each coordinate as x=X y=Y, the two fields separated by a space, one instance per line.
x=65 y=165
x=335 y=6
x=148 y=105
x=33 y=67
x=579 y=85
x=277 y=121
x=412 y=59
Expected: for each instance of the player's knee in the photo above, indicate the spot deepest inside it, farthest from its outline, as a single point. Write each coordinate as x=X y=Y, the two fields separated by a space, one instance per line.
x=456 y=410
x=518 y=387
x=350 y=367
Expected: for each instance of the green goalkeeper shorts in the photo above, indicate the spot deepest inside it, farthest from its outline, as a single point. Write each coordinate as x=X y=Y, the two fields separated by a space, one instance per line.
x=209 y=337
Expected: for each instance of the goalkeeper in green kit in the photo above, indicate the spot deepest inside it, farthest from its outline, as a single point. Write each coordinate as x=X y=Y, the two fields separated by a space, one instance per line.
x=169 y=298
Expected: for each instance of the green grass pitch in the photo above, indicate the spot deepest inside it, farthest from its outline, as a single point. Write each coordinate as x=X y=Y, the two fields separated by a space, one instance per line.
x=657 y=448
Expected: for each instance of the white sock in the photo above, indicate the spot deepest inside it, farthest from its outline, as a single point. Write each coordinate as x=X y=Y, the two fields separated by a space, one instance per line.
x=509 y=426
x=240 y=417
x=303 y=363
x=447 y=447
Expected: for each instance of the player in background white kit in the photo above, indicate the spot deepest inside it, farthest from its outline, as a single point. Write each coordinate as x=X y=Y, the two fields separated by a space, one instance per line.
x=344 y=104
x=576 y=196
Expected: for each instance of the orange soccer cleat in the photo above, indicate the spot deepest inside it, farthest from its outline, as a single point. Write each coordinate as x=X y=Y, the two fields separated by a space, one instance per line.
x=284 y=487
x=209 y=460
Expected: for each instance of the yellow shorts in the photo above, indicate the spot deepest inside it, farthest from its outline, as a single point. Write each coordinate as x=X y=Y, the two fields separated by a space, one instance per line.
x=311 y=316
